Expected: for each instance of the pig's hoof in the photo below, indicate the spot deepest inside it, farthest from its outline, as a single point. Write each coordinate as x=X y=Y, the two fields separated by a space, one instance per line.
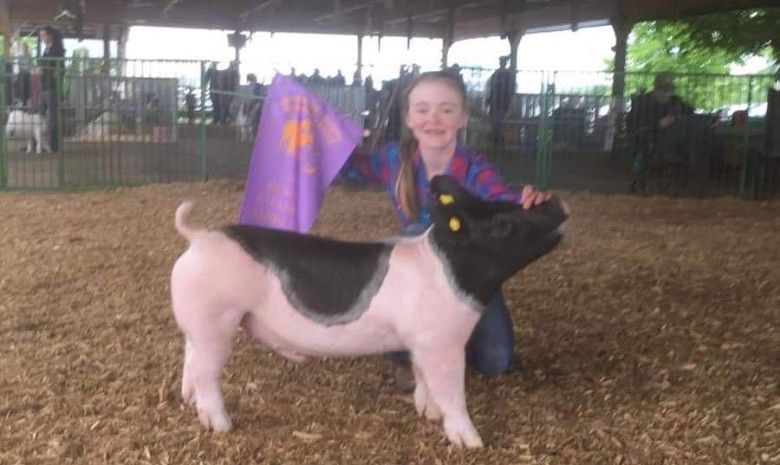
x=188 y=392
x=219 y=423
x=430 y=411
x=188 y=396
x=292 y=356
x=425 y=405
x=462 y=435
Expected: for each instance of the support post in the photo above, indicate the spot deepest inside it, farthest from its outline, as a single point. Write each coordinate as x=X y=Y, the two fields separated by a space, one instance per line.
x=359 y=70
x=8 y=62
x=622 y=27
x=514 y=38
x=237 y=40
x=448 y=39
x=121 y=51
x=106 y=49
x=5 y=29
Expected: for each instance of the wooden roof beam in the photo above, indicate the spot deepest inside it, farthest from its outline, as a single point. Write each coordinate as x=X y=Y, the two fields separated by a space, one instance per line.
x=170 y=5
x=351 y=9
x=457 y=7
x=258 y=8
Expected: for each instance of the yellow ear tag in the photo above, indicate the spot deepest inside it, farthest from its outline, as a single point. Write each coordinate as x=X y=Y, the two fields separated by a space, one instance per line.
x=446 y=199
x=454 y=224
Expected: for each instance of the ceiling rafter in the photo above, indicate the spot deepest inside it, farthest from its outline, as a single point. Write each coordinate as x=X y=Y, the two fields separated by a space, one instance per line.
x=170 y=5
x=426 y=18
x=350 y=9
x=258 y=8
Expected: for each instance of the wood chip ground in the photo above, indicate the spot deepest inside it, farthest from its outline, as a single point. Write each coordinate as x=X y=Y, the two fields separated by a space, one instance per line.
x=652 y=336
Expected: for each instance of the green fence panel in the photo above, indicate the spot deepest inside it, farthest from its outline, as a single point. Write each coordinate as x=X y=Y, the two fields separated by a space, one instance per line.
x=130 y=122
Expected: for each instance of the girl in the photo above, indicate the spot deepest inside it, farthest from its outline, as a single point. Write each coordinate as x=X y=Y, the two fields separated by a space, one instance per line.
x=435 y=106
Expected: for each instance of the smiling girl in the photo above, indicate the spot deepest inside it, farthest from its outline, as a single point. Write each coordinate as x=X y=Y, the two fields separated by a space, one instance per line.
x=435 y=111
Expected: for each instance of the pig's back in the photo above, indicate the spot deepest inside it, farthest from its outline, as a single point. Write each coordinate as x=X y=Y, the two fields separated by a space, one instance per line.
x=328 y=281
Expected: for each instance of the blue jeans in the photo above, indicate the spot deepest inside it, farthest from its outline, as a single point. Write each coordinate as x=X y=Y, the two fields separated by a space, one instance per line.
x=49 y=106
x=491 y=346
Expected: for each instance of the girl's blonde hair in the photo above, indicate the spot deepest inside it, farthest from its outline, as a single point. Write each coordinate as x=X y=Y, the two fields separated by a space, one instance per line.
x=405 y=187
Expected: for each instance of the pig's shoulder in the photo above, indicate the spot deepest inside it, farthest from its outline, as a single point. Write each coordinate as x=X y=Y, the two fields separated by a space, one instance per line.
x=327 y=280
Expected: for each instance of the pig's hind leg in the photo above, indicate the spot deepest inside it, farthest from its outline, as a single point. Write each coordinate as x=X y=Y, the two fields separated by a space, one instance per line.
x=207 y=349
x=187 y=383
x=41 y=141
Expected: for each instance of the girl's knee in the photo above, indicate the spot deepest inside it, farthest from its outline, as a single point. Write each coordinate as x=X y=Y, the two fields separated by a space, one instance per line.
x=492 y=361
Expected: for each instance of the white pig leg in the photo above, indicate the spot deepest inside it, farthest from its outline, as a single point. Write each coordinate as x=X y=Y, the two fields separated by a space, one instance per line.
x=45 y=144
x=37 y=136
x=444 y=375
x=42 y=142
x=187 y=383
x=207 y=363
x=423 y=402
x=207 y=350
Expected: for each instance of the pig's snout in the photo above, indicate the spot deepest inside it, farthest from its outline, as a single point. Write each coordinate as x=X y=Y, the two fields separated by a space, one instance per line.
x=564 y=207
x=550 y=216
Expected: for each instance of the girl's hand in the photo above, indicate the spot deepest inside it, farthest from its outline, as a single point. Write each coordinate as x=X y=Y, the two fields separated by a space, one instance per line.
x=530 y=196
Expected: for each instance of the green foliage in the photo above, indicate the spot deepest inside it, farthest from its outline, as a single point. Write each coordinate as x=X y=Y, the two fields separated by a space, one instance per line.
x=741 y=33
x=701 y=68
x=32 y=43
x=594 y=90
x=660 y=45
x=82 y=65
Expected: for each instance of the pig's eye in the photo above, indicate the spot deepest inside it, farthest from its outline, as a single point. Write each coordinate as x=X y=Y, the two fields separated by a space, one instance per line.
x=501 y=227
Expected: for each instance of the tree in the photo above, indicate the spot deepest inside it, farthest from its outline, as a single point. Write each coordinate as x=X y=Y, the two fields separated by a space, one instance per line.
x=702 y=69
x=741 y=33
x=662 y=45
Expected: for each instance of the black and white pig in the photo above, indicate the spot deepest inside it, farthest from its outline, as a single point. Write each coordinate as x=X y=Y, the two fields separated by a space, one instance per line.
x=30 y=127
x=309 y=296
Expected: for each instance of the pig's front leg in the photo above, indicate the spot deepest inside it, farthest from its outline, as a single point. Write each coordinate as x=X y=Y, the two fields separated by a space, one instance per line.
x=444 y=374
x=423 y=402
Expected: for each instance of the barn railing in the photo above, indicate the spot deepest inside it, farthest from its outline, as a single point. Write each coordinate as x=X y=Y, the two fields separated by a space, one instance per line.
x=141 y=121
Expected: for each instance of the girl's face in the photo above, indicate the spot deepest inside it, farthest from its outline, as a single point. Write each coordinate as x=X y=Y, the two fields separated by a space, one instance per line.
x=435 y=115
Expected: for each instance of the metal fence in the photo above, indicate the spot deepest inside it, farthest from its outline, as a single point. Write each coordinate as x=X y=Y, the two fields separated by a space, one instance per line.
x=130 y=122
x=139 y=121
x=566 y=130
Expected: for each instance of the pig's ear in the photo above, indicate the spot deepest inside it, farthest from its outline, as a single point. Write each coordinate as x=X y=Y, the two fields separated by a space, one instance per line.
x=446 y=190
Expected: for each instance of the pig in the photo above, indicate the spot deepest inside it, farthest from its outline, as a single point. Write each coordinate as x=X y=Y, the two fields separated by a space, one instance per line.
x=242 y=123
x=247 y=119
x=29 y=126
x=310 y=296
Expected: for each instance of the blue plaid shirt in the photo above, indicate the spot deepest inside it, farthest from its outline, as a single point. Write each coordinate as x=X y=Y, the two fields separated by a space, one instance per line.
x=470 y=169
